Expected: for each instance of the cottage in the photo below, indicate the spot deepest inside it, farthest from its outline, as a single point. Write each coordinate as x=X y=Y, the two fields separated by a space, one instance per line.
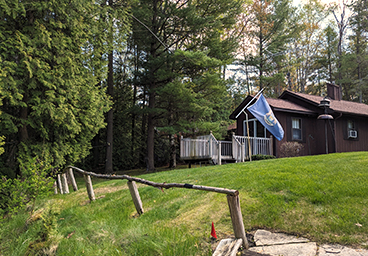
x=321 y=125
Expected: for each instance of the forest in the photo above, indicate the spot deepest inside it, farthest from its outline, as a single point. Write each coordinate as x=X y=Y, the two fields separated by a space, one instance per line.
x=112 y=85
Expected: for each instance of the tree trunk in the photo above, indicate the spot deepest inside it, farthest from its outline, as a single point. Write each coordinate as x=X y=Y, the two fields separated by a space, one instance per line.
x=261 y=59
x=143 y=146
x=133 y=138
x=152 y=97
x=172 y=151
x=151 y=134
x=110 y=116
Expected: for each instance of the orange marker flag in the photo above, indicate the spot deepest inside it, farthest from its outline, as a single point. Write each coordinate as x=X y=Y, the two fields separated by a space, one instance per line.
x=213 y=231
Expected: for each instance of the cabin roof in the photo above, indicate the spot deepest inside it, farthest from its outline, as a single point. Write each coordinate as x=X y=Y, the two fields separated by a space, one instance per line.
x=282 y=105
x=287 y=102
x=287 y=106
x=340 y=106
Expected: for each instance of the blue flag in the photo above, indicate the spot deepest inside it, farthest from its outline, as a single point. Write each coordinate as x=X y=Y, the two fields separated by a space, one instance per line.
x=262 y=111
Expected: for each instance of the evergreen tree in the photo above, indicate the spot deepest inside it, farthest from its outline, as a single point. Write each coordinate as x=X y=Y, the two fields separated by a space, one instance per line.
x=52 y=104
x=359 y=49
x=191 y=28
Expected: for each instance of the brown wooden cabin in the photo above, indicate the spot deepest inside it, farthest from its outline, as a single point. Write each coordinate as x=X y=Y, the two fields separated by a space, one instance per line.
x=298 y=113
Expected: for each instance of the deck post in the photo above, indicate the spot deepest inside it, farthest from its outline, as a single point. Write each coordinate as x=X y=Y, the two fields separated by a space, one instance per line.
x=242 y=152
x=237 y=219
x=219 y=153
x=235 y=152
x=89 y=186
x=135 y=196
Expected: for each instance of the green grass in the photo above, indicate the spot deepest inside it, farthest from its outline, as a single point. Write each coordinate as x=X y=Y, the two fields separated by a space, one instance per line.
x=321 y=197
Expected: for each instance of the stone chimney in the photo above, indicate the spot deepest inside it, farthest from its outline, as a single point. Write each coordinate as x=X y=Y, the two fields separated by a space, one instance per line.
x=333 y=91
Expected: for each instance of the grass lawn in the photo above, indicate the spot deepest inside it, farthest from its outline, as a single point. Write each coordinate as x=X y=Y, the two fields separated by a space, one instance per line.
x=323 y=198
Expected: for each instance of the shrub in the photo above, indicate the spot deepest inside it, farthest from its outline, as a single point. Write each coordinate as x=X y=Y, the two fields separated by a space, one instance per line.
x=262 y=157
x=16 y=193
x=290 y=149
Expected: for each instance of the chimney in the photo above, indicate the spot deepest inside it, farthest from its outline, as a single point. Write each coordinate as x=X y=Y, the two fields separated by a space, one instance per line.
x=333 y=91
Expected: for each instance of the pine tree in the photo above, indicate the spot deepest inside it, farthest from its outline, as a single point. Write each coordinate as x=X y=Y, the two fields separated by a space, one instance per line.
x=359 y=48
x=188 y=27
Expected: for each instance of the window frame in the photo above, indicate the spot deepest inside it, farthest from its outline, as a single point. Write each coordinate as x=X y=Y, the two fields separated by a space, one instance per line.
x=300 y=129
x=352 y=128
x=253 y=122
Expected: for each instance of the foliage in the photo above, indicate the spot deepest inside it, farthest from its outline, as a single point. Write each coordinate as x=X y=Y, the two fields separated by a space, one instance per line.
x=52 y=106
x=290 y=149
x=262 y=157
x=47 y=232
x=16 y=193
x=178 y=62
x=268 y=32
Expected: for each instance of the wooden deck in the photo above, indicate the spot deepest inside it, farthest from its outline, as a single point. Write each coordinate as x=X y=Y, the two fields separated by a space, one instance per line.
x=208 y=148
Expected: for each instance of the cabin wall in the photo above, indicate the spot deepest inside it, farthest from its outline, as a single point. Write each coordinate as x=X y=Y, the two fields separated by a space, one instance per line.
x=346 y=144
x=313 y=133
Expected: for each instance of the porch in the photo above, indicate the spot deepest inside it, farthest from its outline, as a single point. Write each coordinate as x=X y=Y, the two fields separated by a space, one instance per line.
x=208 y=148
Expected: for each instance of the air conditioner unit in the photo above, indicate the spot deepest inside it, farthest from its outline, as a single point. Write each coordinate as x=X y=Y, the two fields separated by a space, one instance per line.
x=353 y=134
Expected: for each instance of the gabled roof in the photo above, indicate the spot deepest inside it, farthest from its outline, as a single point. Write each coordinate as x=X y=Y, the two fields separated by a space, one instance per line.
x=339 y=106
x=276 y=104
x=287 y=103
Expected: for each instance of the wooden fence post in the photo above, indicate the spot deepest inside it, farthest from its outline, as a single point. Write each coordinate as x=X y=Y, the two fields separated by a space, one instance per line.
x=237 y=219
x=135 y=196
x=89 y=186
x=59 y=184
x=55 y=187
x=64 y=181
x=72 y=179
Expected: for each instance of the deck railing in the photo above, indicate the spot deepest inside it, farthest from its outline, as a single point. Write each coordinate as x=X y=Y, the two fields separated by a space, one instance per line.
x=258 y=146
x=208 y=148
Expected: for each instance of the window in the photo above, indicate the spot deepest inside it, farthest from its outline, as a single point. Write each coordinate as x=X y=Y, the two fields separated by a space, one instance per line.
x=296 y=127
x=352 y=132
x=256 y=129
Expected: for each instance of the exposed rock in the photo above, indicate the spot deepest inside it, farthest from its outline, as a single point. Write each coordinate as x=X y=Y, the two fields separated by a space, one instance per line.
x=264 y=237
x=301 y=249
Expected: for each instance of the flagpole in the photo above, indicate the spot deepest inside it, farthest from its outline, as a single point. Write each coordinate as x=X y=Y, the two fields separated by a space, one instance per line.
x=246 y=116
x=249 y=103
x=249 y=149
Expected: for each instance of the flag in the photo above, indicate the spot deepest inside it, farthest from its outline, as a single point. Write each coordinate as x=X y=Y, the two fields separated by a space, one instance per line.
x=262 y=111
x=213 y=231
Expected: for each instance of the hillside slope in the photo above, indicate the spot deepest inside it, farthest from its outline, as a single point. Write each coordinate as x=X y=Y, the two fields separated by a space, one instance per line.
x=324 y=198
